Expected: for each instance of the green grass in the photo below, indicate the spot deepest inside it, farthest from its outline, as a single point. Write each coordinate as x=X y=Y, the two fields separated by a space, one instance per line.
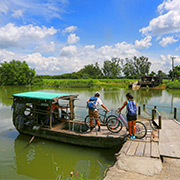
x=85 y=83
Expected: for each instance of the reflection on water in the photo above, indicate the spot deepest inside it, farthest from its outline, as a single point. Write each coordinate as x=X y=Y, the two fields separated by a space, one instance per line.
x=48 y=160
x=44 y=159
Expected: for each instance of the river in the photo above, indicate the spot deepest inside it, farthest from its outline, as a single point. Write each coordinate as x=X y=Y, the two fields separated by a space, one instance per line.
x=44 y=159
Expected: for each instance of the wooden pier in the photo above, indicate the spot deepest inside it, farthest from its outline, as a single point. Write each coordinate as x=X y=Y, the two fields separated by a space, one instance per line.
x=147 y=153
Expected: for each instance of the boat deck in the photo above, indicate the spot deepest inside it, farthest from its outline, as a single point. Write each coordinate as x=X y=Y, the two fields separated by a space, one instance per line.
x=103 y=133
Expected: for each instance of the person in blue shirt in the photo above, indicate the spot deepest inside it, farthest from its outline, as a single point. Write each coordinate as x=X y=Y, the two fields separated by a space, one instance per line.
x=131 y=114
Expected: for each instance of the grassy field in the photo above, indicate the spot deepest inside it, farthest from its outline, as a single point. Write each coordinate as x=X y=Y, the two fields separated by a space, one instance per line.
x=100 y=83
x=85 y=83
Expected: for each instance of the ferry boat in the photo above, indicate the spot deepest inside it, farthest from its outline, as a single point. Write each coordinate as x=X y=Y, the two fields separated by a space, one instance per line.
x=52 y=116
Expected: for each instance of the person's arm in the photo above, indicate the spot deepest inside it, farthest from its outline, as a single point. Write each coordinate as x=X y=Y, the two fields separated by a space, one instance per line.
x=125 y=103
x=105 y=107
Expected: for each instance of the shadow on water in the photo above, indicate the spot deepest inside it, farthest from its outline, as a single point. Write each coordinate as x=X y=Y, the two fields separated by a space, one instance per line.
x=44 y=159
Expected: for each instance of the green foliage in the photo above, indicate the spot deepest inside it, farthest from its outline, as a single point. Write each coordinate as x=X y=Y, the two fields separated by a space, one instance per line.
x=136 y=67
x=173 y=85
x=161 y=73
x=112 y=69
x=16 y=73
x=90 y=71
x=152 y=73
x=175 y=73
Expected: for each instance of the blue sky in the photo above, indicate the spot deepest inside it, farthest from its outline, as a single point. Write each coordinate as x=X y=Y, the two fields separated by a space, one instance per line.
x=62 y=36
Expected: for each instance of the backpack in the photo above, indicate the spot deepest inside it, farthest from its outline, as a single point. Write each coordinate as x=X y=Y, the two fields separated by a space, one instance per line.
x=92 y=103
x=131 y=108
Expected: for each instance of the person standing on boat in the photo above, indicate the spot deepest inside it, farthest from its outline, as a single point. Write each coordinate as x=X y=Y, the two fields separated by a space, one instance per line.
x=131 y=114
x=93 y=104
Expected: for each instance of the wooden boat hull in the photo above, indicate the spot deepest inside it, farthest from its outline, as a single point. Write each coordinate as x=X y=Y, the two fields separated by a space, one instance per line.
x=91 y=139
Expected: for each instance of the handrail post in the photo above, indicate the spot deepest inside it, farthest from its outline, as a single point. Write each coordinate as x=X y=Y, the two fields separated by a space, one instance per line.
x=144 y=107
x=153 y=114
x=175 y=113
x=139 y=110
x=160 y=123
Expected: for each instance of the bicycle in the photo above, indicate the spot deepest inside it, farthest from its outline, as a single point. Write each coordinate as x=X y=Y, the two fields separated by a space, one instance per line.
x=103 y=118
x=115 y=125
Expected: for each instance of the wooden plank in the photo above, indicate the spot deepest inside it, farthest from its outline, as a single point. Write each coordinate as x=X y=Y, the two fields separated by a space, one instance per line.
x=140 y=149
x=155 y=150
x=147 y=150
x=170 y=139
x=132 y=149
x=125 y=147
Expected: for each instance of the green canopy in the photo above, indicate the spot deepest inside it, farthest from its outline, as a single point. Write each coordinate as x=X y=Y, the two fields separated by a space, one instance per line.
x=41 y=95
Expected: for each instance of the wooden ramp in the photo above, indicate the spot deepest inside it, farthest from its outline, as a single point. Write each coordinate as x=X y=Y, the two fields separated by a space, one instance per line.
x=169 y=137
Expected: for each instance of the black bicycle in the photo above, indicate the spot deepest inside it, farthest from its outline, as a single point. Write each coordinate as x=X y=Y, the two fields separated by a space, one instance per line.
x=103 y=118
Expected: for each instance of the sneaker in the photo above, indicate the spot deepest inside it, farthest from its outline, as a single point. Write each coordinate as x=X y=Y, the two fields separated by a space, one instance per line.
x=133 y=137
x=99 y=129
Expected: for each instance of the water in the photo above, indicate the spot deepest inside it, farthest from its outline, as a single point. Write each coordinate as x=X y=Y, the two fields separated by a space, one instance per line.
x=44 y=159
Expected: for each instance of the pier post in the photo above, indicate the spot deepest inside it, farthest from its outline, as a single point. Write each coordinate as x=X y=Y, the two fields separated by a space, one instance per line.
x=160 y=123
x=175 y=113
x=139 y=110
x=144 y=107
x=153 y=114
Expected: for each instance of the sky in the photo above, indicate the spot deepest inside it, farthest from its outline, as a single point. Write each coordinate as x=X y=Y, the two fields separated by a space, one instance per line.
x=62 y=36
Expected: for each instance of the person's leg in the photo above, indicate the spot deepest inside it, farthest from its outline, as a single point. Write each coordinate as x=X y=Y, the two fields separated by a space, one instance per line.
x=91 y=116
x=130 y=127
x=96 y=116
x=133 y=127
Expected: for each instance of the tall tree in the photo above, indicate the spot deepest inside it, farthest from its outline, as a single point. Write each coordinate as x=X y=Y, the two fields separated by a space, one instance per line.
x=90 y=71
x=136 y=67
x=16 y=73
x=112 y=68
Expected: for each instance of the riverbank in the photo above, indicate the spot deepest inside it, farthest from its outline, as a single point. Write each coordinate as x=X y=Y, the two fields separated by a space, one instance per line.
x=100 y=83
x=170 y=171
x=85 y=83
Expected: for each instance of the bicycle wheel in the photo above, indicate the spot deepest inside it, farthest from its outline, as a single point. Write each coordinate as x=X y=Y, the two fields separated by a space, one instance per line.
x=87 y=121
x=141 y=130
x=111 y=116
x=114 y=125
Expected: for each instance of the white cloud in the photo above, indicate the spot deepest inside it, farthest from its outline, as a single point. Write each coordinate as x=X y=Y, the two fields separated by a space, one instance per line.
x=17 y=14
x=169 y=22
x=69 y=51
x=47 y=9
x=11 y=35
x=72 y=58
x=70 y=29
x=167 y=40
x=6 y=55
x=72 y=38
x=143 y=43
x=46 y=48
x=3 y=7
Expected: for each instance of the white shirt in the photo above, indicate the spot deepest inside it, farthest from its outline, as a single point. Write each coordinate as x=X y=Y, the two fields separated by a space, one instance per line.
x=98 y=103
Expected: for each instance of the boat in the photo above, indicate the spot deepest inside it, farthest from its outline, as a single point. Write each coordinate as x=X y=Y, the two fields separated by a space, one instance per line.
x=52 y=116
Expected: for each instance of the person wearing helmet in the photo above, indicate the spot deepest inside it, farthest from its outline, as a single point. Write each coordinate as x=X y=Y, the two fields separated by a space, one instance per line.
x=93 y=104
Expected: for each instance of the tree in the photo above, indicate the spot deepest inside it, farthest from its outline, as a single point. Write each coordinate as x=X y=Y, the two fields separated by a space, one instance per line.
x=16 y=73
x=111 y=68
x=136 y=67
x=90 y=71
x=152 y=73
x=175 y=73
x=161 y=73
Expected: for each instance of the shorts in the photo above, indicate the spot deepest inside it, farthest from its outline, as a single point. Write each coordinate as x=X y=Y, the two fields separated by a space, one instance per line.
x=94 y=114
x=131 y=117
